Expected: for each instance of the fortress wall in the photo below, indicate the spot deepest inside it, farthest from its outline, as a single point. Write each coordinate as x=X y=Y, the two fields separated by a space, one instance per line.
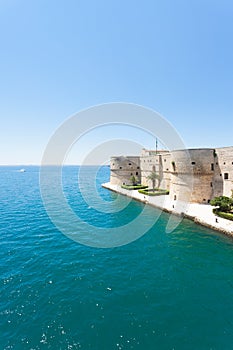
x=148 y=164
x=202 y=189
x=180 y=188
x=192 y=175
x=218 y=179
x=224 y=171
x=122 y=168
x=165 y=171
x=197 y=161
x=160 y=163
x=195 y=175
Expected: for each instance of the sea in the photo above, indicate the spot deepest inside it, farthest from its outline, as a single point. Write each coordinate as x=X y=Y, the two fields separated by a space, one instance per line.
x=164 y=290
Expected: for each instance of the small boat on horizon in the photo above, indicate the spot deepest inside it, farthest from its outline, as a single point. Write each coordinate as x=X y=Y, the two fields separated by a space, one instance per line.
x=22 y=170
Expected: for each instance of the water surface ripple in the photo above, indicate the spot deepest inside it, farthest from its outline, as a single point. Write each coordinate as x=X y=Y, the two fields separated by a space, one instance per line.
x=163 y=291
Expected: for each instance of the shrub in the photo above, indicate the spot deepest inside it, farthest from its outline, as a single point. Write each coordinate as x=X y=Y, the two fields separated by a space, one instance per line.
x=228 y=216
x=224 y=204
x=133 y=187
x=157 y=192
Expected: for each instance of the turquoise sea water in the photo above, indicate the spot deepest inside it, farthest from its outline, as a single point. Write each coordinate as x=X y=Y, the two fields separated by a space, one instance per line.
x=163 y=291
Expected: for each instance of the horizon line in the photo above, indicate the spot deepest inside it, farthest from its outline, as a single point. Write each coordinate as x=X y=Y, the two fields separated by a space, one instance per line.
x=40 y=165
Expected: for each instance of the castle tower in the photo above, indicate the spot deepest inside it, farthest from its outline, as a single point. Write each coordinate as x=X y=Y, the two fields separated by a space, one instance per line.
x=192 y=175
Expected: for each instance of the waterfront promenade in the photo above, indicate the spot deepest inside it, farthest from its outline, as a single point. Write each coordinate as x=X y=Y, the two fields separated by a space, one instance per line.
x=200 y=213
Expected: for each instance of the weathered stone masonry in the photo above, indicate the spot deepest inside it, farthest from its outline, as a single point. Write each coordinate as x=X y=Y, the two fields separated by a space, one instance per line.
x=194 y=175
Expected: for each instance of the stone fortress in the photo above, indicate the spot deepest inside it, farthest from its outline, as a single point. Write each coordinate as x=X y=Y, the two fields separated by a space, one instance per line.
x=193 y=175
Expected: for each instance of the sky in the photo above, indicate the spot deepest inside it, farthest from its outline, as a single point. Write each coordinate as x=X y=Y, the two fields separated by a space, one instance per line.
x=60 y=57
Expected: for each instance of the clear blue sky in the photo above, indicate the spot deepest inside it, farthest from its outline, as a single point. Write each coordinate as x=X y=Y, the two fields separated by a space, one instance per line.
x=57 y=57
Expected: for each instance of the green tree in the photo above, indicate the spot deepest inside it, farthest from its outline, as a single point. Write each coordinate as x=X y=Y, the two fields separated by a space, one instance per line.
x=223 y=203
x=134 y=180
x=153 y=177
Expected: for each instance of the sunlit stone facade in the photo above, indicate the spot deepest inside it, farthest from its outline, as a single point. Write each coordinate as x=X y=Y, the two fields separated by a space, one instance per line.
x=193 y=175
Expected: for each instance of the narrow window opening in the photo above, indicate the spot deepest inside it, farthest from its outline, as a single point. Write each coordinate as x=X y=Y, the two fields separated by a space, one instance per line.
x=226 y=176
x=193 y=163
x=212 y=166
x=174 y=166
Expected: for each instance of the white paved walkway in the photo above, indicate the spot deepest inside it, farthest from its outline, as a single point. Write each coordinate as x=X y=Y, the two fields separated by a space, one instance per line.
x=201 y=213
